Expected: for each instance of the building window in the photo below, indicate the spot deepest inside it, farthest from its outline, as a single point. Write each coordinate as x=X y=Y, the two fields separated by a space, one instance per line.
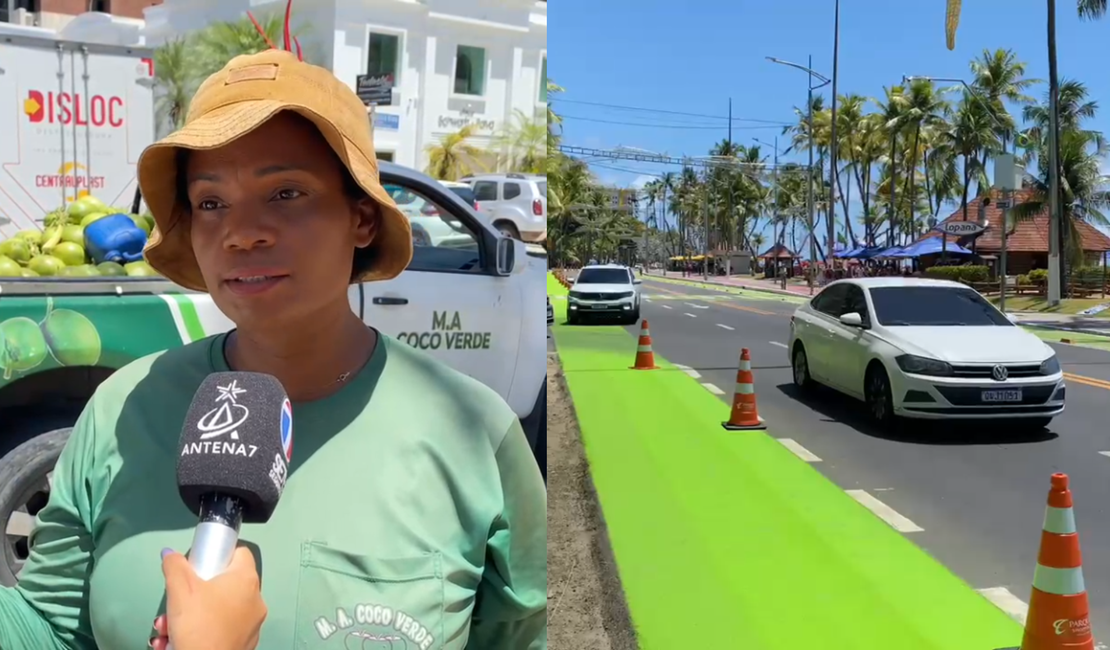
x=103 y=6
x=382 y=57
x=470 y=70
x=384 y=155
x=543 y=81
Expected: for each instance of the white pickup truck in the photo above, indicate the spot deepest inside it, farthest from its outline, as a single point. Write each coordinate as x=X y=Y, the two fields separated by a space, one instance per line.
x=471 y=300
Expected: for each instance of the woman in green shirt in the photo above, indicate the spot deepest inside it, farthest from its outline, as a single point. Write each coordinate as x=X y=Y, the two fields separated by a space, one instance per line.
x=414 y=515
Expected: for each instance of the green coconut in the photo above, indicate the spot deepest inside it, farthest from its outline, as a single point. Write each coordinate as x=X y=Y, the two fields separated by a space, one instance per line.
x=140 y=269
x=83 y=207
x=32 y=236
x=74 y=234
x=95 y=216
x=22 y=345
x=70 y=336
x=142 y=223
x=46 y=265
x=71 y=254
x=79 y=271
x=111 y=269
x=28 y=273
x=9 y=268
x=18 y=249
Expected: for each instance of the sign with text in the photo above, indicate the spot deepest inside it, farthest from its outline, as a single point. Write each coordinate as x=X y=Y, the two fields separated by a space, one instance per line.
x=375 y=90
x=961 y=228
x=387 y=121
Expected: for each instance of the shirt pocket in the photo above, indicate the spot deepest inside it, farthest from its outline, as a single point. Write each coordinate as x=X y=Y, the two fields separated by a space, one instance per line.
x=359 y=602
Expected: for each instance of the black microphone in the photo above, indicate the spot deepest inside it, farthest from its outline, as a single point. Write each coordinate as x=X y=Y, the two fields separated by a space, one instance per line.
x=234 y=457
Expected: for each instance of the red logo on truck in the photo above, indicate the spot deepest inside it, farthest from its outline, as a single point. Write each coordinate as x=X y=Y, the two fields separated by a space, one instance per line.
x=64 y=108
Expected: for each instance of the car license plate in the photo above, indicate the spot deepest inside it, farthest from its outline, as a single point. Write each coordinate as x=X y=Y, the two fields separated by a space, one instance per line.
x=599 y=306
x=1008 y=395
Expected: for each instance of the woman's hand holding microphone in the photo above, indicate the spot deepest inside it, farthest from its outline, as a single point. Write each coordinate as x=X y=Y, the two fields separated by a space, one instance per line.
x=224 y=613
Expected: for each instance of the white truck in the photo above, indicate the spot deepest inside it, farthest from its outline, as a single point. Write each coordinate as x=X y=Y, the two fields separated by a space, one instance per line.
x=472 y=300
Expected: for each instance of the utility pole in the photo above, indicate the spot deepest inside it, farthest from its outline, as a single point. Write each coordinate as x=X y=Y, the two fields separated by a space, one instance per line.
x=810 y=202
x=1055 y=225
x=705 y=244
x=728 y=262
x=775 y=213
x=831 y=214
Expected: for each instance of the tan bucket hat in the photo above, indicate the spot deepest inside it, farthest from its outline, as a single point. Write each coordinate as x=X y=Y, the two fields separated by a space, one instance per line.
x=246 y=93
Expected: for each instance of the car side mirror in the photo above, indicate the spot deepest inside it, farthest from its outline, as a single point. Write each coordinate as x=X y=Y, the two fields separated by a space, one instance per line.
x=852 y=319
x=506 y=256
x=637 y=281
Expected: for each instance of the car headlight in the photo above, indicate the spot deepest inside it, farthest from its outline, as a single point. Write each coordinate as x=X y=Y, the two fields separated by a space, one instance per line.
x=574 y=295
x=916 y=365
x=618 y=296
x=1050 y=366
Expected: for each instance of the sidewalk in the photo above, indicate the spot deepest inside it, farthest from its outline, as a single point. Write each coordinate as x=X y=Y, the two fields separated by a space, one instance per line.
x=1063 y=322
x=740 y=282
x=730 y=538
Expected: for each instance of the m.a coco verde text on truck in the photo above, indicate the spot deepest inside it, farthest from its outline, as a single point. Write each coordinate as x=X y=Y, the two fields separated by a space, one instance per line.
x=76 y=304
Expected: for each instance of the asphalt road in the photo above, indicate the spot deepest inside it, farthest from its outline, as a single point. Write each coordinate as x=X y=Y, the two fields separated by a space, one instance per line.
x=974 y=499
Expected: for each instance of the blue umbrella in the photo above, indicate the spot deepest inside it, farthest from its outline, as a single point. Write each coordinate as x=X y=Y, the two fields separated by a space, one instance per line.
x=893 y=251
x=932 y=246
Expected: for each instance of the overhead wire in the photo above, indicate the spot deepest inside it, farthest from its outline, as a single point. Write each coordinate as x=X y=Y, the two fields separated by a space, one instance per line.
x=670 y=112
x=694 y=127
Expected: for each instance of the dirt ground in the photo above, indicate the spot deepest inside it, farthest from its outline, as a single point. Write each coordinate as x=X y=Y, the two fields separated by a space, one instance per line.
x=586 y=604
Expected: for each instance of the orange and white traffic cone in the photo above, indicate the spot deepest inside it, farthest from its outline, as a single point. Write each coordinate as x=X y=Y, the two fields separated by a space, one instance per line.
x=1059 y=616
x=645 y=358
x=745 y=414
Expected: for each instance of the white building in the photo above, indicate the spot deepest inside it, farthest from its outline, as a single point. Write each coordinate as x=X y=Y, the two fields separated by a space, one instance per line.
x=454 y=62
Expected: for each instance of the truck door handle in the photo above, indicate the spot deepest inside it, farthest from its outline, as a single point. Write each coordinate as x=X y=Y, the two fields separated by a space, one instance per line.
x=387 y=300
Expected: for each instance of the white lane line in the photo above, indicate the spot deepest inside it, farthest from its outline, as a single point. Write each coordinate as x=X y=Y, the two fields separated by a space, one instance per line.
x=1105 y=453
x=690 y=304
x=725 y=327
x=712 y=388
x=799 y=451
x=1014 y=607
x=689 y=371
x=781 y=345
x=667 y=307
x=884 y=512
x=689 y=314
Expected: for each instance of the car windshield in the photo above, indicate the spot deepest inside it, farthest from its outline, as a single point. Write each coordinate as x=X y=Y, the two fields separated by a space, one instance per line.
x=603 y=276
x=933 y=307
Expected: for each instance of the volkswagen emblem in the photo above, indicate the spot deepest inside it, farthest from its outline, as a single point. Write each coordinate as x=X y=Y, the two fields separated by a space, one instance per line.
x=1000 y=373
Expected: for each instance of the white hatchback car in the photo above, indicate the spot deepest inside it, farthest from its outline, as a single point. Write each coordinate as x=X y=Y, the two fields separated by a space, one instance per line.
x=926 y=349
x=604 y=290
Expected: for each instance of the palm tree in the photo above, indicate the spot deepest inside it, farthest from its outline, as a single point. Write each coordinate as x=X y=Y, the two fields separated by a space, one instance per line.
x=894 y=120
x=972 y=131
x=922 y=107
x=175 y=72
x=454 y=157
x=221 y=42
x=522 y=142
x=998 y=77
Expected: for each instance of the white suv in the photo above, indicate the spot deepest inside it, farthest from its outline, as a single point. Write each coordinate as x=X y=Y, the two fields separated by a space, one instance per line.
x=604 y=290
x=516 y=203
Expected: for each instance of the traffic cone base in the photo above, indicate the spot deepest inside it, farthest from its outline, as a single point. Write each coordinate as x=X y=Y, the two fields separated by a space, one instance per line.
x=761 y=426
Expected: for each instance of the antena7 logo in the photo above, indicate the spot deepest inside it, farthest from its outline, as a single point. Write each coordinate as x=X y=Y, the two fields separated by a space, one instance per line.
x=287 y=429
x=227 y=416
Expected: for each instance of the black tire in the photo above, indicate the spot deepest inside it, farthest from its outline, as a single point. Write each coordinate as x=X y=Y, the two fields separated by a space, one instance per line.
x=508 y=228
x=802 y=378
x=1032 y=425
x=572 y=317
x=634 y=317
x=24 y=488
x=878 y=397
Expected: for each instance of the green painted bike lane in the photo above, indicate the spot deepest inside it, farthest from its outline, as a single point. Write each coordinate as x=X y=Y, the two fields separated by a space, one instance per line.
x=727 y=539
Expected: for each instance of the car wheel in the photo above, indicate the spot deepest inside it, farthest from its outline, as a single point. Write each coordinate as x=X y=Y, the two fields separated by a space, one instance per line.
x=880 y=403
x=800 y=363
x=508 y=228
x=572 y=318
x=26 y=474
x=635 y=316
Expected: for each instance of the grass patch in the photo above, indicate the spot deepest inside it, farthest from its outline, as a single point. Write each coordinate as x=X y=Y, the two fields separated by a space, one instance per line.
x=1040 y=304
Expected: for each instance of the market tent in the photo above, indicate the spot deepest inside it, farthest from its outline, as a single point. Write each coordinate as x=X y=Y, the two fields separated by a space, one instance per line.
x=893 y=251
x=933 y=246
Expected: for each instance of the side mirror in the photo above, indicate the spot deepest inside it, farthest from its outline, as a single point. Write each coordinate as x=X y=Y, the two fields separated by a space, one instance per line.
x=852 y=319
x=637 y=281
x=506 y=256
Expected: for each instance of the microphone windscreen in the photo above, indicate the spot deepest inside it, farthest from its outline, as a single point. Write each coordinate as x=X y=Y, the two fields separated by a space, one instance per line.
x=237 y=440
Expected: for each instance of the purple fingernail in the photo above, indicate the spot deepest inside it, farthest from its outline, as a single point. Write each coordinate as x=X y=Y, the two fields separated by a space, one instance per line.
x=165 y=552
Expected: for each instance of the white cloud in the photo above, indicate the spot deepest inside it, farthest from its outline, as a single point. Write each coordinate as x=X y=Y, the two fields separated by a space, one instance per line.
x=640 y=181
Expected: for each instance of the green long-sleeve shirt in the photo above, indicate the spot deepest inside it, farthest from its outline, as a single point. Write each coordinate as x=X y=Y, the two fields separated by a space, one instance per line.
x=414 y=516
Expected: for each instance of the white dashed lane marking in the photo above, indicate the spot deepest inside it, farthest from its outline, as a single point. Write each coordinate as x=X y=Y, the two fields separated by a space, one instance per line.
x=884 y=512
x=725 y=327
x=781 y=345
x=689 y=371
x=690 y=304
x=799 y=451
x=712 y=388
x=1014 y=607
x=667 y=307
x=690 y=315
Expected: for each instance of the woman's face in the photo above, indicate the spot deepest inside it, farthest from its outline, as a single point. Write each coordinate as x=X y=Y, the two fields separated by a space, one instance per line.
x=274 y=229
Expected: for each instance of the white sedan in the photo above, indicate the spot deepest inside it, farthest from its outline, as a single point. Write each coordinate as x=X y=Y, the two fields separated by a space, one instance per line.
x=924 y=349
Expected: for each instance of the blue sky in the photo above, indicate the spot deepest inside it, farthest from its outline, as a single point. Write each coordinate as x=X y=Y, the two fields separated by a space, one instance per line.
x=693 y=56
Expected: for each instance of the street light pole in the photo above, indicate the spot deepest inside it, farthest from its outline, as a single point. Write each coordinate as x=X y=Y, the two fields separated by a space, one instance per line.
x=1055 y=225
x=831 y=213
